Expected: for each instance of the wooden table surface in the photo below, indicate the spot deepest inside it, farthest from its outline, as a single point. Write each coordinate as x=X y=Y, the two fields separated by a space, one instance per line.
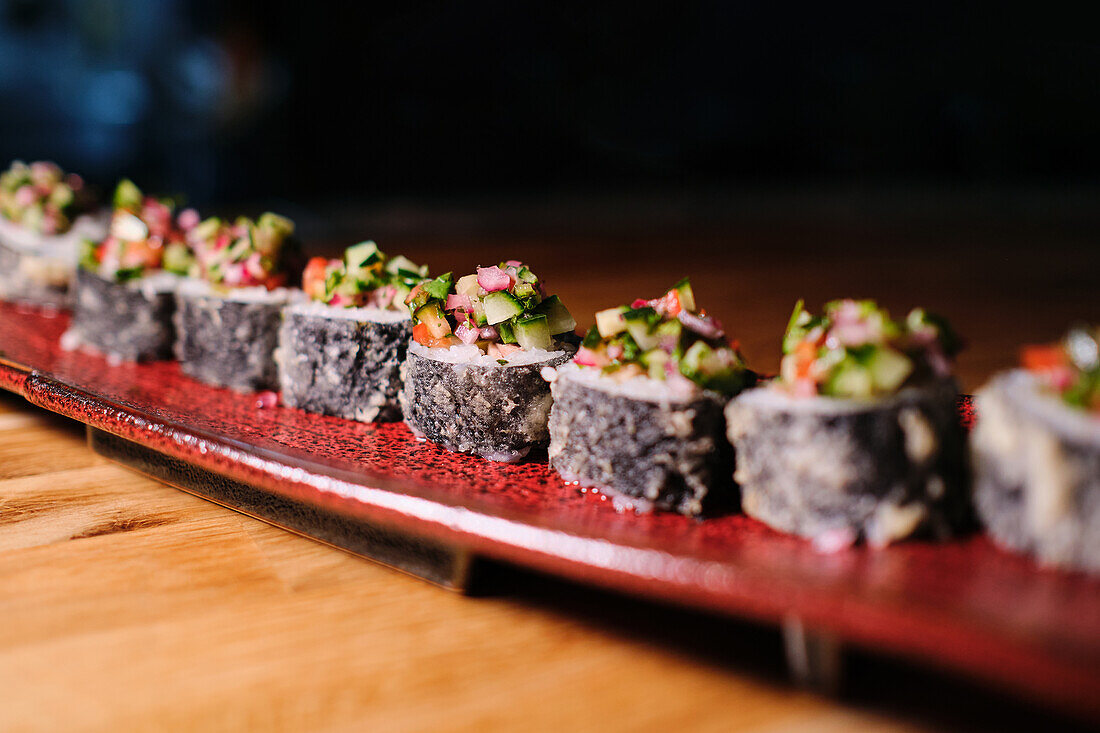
x=127 y=604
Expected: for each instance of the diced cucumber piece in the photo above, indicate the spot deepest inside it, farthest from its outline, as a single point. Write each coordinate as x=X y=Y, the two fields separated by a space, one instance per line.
x=127 y=195
x=433 y=318
x=670 y=330
x=850 y=380
x=559 y=318
x=87 y=255
x=655 y=360
x=715 y=369
x=467 y=285
x=524 y=290
x=610 y=322
x=728 y=381
x=400 y=293
x=694 y=360
x=889 y=368
x=500 y=306
x=532 y=332
x=207 y=228
x=401 y=264
x=479 y=312
x=639 y=330
x=61 y=197
x=275 y=224
x=240 y=250
x=178 y=258
x=347 y=286
x=687 y=295
x=362 y=255
x=507 y=335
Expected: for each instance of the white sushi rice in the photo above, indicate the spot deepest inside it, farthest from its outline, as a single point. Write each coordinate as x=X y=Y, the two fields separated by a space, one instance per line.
x=640 y=387
x=60 y=246
x=369 y=313
x=195 y=288
x=1070 y=422
x=775 y=397
x=156 y=283
x=471 y=355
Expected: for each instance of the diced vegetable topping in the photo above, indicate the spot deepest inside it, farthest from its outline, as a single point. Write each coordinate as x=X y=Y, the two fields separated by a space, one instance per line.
x=144 y=235
x=365 y=276
x=500 y=308
x=855 y=351
x=667 y=339
x=243 y=253
x=41 y=197
x=1070 y=368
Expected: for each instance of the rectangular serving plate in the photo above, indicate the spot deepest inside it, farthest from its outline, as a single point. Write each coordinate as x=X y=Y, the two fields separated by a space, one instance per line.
x=375 y=490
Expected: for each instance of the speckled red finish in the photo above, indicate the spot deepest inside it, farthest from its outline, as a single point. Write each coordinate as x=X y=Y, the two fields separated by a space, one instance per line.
x=964 y=604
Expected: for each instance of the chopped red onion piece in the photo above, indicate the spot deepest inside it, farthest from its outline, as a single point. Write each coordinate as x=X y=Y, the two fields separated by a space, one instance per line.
x=188 y=219
x=255 y=267
x=455 y=300
x=489 y=333
x=702 y=325
x=466 y=334
x=493 y=279
x=586 y=357
x=25 y=195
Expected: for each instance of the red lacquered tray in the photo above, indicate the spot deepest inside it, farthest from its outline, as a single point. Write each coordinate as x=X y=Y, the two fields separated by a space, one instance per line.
x=376 y=490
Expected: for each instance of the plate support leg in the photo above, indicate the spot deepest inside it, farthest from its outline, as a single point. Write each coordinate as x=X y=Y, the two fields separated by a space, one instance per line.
x=814 y=658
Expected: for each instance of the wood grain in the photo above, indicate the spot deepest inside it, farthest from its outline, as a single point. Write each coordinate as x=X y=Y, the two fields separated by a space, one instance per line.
x=130 y=605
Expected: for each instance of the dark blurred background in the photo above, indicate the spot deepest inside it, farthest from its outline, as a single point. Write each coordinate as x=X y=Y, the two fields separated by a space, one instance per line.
x=941 y=156
x=250 y=101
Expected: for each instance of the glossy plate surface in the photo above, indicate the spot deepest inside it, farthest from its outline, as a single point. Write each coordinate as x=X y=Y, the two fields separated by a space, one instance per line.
x=964 y=605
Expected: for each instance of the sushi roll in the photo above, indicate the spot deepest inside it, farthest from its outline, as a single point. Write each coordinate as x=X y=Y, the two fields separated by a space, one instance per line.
x=229 y=311
x=859 y=436
x=340 y=352
x=124 y=292
x=44 y=215
x=1036 y=453
x=638 y=411
x=472 y=379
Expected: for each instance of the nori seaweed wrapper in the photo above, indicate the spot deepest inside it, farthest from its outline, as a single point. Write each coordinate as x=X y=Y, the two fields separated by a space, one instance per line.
x=494 y=411
x=669 y=452
x=880 y=470
x=1037 y=473
x=34 y=278
x=126 y=321
x=335 y=365
x=229 y=340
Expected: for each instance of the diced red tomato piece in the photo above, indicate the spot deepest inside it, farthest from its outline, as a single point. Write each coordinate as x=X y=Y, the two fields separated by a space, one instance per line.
x=145 y=252
x=1043 y=358
x=804 y=353
x=422 y=334
x=313 y=277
